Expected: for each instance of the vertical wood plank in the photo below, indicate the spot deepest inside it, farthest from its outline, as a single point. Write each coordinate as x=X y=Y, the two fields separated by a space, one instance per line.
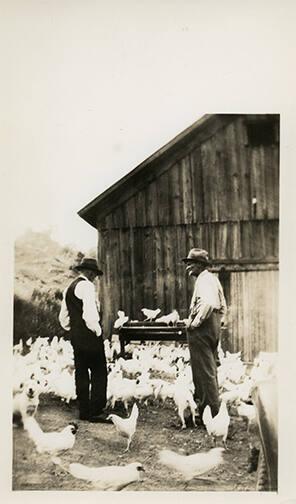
x=256 y=156
x=151 y=203
x=175 y=195
x=197 y=186
x=118 y=217
x=181 y=278
x=206 y=180
x=262 y=182
x=187 y=189
x=163 y=199
x=271 y=176
x=221 y=175
x=109 y=221
x=160 y=267
x=154 y=270
x=215 y=179
x=126 y=273
x=275 y=162
x=115 y=269
x=107 y=305
x=130 y=212
x=138 y=271
x=233 y=173
x=234 y=233
x=131 y=250
x=245 y=198
x=148 y=268
x=141 y=212
x=254 y=308
x=169 y=269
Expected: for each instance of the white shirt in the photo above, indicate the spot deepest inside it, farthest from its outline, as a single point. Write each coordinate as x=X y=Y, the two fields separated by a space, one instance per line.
x=207 y=296
x=90 y=307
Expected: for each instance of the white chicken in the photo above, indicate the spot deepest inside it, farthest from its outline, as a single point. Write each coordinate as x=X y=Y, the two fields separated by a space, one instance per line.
x=144 y=388
x=230 y=395
x=183 y=399
x=217 y=426
x=170 y=319
x=64 y=386
x=163 y=367
x=126 y=426
x=265 y=366
x=106 y=478
x=122 y=319
x=150 y=314
x=247 y=412
x=25 y=402
x=124 y=390
x=233 y=356
x=51 y=442
x=130 y=366
x=107 y=347
x=192 y=466
x=164 y=390
x=17 y=349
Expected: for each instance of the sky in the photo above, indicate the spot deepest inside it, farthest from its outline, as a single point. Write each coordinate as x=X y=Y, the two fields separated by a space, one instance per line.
x=94 y=88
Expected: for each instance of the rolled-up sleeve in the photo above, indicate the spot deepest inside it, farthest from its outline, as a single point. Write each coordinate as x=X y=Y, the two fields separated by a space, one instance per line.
x=90 y=314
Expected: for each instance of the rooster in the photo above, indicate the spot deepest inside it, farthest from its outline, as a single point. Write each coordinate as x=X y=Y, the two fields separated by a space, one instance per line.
x=150 y=314
x=104 y=478
x=126 y=426
x=192 y=466
x=51 y=442
x=217 y=426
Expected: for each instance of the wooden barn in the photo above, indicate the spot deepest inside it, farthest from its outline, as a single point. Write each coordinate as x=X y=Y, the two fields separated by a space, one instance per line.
x=215 y=186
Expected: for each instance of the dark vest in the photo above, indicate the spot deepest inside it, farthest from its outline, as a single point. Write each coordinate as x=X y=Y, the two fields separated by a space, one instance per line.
x=81 y=337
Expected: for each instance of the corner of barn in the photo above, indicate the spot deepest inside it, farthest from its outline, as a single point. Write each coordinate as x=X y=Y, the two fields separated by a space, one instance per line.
x=216 y=185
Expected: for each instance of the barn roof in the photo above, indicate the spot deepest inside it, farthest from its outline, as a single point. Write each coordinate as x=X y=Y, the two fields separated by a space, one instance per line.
x=145 y=172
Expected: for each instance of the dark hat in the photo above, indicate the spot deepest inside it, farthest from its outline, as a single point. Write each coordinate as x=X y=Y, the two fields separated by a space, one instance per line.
x=197 y=255
x=88 y=263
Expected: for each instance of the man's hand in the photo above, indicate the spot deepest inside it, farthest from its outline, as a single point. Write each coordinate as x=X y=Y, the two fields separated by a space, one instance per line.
x=196 y=322
x=187 y=322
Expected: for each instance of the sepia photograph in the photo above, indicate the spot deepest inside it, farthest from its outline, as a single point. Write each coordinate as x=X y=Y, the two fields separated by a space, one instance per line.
x=148 y=319
x=174 y=354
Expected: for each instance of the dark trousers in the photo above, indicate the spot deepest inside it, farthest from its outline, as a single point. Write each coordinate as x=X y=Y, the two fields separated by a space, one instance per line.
x=203 y=342
x=91 y=378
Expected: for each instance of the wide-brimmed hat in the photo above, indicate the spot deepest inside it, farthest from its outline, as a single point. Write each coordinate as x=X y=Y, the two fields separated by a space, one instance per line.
x=88 y=263
x=197 y=255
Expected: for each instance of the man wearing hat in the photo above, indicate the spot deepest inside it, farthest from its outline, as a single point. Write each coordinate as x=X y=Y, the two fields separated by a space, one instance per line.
x=80 y=315
x=203 y=329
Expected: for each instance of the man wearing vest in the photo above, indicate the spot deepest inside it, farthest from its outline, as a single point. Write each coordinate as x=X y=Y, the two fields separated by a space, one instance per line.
x=80 y=315
x=203 y=329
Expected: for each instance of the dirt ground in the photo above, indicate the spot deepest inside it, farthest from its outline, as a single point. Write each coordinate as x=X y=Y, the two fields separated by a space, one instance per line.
x=99 y=445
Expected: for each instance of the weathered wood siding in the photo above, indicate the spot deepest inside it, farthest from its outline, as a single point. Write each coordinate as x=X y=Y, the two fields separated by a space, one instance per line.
x=143 y=268
x=221 y=194
x=253 y=312
x=214 y=182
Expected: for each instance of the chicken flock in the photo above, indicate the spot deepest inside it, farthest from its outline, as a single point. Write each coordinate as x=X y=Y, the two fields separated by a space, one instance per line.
x=153 y=373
